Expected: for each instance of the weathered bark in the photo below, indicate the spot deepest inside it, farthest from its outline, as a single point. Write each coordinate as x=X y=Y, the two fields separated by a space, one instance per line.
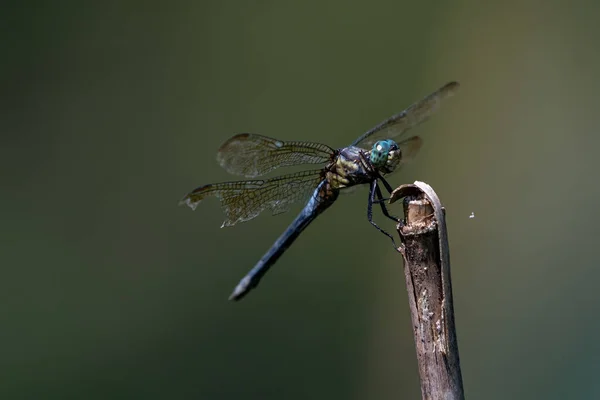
x=427 y=272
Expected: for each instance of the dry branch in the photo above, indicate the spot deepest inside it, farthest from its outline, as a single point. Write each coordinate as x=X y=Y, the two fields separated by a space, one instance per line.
x=427 y=272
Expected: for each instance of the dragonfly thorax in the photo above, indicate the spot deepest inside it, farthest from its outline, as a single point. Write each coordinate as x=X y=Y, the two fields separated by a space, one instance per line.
x=385 y=155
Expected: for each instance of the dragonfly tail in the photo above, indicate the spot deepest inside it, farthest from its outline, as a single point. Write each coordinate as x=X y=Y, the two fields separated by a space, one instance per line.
x=313 y=208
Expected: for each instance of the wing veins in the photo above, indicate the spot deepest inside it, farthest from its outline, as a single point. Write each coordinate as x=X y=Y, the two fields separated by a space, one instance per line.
x=396 y=125
x=244 y=200
x=253 y=155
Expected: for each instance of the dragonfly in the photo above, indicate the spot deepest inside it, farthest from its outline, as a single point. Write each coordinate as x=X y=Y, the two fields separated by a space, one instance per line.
x=252 y=156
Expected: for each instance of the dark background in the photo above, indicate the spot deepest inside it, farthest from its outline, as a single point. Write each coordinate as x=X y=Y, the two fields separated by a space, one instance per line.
x=111 y=112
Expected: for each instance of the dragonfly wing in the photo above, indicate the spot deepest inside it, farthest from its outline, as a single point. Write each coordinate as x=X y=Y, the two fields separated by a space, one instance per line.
x=396 y=125
x=409 y=148
x=244 y=200
x=252 y=155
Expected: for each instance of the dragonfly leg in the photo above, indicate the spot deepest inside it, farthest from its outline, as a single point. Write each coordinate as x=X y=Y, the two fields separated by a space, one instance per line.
x=381 y=202
x=375 y=190
x=388 y=187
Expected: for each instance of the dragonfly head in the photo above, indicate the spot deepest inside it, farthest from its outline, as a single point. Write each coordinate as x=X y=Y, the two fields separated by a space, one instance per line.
x=385 y=155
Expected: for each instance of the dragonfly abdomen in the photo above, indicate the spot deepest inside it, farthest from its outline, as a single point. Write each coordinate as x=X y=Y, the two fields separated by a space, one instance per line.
x=323 y=197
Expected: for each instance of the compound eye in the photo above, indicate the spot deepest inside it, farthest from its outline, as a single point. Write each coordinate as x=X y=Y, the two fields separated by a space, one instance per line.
x=379 y=153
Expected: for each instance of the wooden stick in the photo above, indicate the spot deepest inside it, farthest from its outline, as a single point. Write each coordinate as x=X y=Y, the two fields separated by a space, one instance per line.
x=427 y=272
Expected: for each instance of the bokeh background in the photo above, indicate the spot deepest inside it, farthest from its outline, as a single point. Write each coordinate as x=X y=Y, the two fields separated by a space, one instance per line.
x=112 y=111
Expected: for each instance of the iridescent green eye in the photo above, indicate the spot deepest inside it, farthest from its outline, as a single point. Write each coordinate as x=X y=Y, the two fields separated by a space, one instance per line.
x=380 y=151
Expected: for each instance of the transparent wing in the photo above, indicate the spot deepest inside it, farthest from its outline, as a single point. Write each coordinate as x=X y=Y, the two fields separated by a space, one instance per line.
x=409 y=148
x=252 y=155
x=396 y=125
x=243 y=200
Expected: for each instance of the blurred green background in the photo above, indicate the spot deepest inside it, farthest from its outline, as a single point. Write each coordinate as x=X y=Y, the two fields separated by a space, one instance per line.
x=111 y=112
